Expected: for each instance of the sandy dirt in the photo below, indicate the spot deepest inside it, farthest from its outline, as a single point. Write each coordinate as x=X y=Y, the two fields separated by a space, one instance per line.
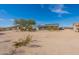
x=63 y=42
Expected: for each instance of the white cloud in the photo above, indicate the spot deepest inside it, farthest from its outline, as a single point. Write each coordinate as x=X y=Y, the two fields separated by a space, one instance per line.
x=1 y=19
x=11 y=20
x=6 y=20
x=59 y=9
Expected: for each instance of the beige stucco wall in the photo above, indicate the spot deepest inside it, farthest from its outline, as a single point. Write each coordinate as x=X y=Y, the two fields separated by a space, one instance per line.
x=75 y=28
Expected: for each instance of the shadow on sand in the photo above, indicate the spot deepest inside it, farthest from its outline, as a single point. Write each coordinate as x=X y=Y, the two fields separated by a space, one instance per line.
x=2 y=33
x=5 y=41
x=34 y=46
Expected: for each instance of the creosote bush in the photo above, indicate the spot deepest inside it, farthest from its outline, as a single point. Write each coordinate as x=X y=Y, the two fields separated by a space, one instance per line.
x=22 y=42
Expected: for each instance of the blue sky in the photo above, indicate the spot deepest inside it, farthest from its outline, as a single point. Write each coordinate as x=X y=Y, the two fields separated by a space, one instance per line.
x=64 y=14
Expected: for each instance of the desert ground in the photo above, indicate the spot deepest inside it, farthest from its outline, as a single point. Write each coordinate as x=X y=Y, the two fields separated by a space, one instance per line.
x=63 y=42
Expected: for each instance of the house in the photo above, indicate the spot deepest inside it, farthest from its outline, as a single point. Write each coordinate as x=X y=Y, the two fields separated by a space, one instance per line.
x=49 y=27
x=76 y=27
x=69 y=28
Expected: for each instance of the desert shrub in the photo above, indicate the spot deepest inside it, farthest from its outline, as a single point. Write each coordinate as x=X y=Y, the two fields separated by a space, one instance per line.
x=22 y=42
x=28 y=39
x=29 y=28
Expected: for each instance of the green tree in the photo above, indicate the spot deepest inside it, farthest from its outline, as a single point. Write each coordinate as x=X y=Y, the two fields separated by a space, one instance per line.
x=20 y=22
x=31 y=22
x=28 y=24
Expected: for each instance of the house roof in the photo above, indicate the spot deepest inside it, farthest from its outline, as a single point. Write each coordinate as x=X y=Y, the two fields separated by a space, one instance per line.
x=48 y=25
